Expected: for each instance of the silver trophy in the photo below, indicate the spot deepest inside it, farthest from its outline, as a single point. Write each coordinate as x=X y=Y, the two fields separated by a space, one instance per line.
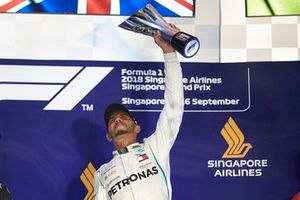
x=148 y=20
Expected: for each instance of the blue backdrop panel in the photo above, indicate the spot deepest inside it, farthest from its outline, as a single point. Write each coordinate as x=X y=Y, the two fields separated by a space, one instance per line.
x=43 y=152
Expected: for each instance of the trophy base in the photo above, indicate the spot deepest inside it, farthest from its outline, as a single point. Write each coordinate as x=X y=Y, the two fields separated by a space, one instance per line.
x=187 y=45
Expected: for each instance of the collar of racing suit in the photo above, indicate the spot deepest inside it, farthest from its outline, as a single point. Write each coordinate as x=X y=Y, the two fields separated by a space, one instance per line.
x=127 y=149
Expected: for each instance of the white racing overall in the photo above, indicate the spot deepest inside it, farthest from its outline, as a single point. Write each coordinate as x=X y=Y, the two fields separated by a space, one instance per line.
x=142 y=170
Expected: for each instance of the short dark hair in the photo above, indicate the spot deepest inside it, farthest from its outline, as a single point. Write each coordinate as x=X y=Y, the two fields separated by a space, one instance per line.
x=116 y=107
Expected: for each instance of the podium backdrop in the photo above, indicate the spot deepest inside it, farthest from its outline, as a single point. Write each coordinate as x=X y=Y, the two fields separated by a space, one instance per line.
x=239 y=137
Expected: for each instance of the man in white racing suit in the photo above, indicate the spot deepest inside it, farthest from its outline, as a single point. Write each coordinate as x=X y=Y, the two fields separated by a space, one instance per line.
x=141 y=171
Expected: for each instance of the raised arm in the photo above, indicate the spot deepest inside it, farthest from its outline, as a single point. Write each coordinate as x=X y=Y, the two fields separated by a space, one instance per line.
x=170 y=118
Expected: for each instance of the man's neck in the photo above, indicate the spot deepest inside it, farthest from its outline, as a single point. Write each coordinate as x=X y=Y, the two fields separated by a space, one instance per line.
x=122 y=144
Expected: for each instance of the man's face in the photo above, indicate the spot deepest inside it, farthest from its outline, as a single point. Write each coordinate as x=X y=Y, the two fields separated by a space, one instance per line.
x=120 y=124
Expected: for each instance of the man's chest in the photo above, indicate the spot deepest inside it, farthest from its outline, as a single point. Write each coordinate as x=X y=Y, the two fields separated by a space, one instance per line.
x=129 y=173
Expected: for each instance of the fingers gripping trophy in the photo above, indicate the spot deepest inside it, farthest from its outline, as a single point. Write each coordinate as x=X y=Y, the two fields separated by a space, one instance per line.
x=147 y=21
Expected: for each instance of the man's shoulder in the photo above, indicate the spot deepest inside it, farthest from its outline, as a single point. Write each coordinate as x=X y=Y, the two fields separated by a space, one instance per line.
x=105 y=167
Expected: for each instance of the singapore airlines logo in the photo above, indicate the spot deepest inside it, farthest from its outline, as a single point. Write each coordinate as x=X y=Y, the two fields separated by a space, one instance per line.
x=87 y=178
x=64 y=87
x=233 y=162
x=235 y=140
